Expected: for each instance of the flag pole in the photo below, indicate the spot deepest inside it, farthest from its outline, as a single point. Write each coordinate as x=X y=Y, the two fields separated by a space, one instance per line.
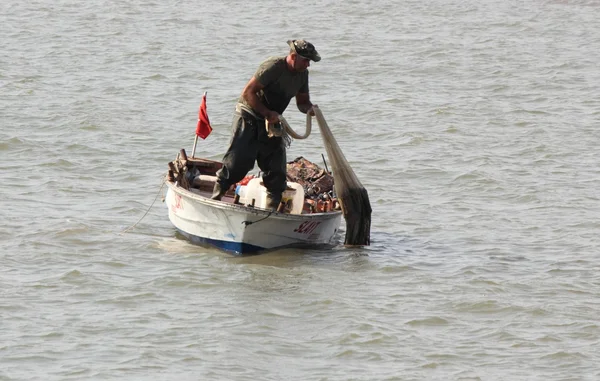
x=194 y=150
x=196 y=138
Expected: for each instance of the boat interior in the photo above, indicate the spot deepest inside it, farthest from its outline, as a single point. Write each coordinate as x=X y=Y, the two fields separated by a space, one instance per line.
x=198 y=175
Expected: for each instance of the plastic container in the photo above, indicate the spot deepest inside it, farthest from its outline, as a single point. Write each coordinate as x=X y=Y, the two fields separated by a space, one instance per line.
x=292 y=197
x=255 y=191
x=296 y=195
x=242 y=192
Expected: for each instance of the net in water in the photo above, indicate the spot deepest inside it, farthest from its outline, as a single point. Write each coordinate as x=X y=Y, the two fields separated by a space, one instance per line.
x=353 y=197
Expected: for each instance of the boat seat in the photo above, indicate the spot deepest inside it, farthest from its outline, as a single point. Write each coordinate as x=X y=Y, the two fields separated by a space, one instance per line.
x=204 y=182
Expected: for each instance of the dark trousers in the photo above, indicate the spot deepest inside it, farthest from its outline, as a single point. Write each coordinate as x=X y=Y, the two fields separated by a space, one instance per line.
x=250 y=143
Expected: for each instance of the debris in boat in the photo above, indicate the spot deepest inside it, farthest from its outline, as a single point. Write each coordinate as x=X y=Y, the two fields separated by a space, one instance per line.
x=178 y=170
x=313 y=178
x=317 y=183
x=192 y=172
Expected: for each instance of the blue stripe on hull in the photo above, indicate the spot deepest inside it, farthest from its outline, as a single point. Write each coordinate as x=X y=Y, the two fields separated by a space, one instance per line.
x=236 y=247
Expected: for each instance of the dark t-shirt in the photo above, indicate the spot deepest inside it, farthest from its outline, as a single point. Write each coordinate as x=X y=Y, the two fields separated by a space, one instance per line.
x=280 y=84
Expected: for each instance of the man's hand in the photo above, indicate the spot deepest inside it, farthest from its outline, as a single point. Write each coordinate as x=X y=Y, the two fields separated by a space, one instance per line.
x=272 y=117
x=311 y=111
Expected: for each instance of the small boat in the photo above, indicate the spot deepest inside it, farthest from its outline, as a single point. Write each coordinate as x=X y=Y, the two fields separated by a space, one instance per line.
x=307 y=217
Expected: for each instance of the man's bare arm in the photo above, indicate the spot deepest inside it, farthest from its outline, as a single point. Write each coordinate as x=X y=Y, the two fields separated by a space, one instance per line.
x=249 y=94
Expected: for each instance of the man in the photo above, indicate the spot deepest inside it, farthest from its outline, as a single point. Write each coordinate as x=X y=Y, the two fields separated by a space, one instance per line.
x=266 y=96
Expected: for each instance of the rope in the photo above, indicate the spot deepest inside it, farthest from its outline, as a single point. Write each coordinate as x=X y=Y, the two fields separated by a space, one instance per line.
x=286 y=132
x=293 y=133
x=134 y=225
x=248 y=223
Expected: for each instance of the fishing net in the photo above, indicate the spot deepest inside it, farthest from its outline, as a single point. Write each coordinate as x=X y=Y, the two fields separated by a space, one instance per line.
x=352 y=196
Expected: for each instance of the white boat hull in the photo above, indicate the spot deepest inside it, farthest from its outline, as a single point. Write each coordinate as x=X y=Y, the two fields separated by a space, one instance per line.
x=243 y=229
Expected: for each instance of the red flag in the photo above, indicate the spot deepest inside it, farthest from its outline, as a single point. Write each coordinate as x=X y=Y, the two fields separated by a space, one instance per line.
x=203 y=128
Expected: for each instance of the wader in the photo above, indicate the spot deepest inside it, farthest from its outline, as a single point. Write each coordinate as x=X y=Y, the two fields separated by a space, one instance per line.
x=250 y=143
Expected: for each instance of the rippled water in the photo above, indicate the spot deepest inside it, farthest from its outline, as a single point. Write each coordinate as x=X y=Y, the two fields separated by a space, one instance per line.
x=473 y=125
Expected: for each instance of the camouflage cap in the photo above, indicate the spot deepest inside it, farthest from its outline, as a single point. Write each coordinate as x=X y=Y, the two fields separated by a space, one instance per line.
x=304 y=49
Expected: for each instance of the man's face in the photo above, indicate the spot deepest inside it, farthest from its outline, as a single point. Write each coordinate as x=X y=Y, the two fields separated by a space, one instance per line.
x=300 y=63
